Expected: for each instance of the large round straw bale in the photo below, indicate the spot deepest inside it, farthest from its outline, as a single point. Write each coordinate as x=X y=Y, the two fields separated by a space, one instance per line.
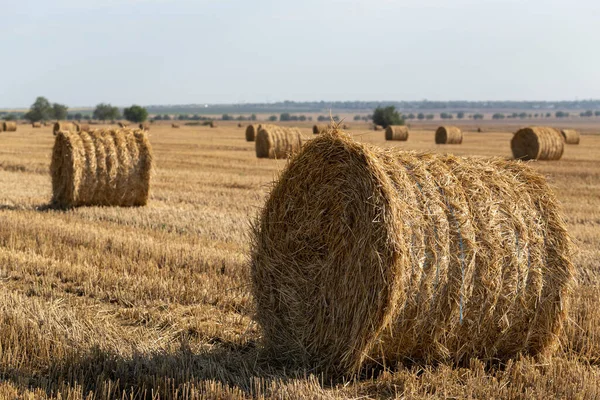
x=174 y=125
x=251 y=131
x=396 y=132
x=64 y=127
x=448 y=135
x=36 y=125
x=363 y=254
x=537 y=143
x=570 y=136
x=104 y=167
x=9 y=126
x=277 y=142
x=320 y=128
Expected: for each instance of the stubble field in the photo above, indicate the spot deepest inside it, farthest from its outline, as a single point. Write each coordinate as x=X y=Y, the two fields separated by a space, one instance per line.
x=154 y=302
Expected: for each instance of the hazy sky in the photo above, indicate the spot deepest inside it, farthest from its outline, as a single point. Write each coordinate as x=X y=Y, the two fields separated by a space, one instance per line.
x=82 y=52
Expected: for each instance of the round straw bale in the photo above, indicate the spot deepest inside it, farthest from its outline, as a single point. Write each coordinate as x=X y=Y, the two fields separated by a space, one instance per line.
x=366 y=255
x=377 y=127
x=174 y=125
x=320 y=128
x=448 y=135
x=213 y=124
x=9 y=126
x=123 y=124
x=240 y=125
x=64 y=127
x=84 y=127
x=145 y=126
x=537 y=143
x=396 y=132
x=251 y=131
x=104 y=167
x=277 y=142
x=570 y=136
x=36 y=125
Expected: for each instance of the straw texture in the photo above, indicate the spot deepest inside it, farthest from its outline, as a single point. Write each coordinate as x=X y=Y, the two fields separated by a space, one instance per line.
x=570 y=136
x=365 y=255
x=448 y=135
x=277 y=142
x=396 y=132
x=104 y=167
x=537 y=143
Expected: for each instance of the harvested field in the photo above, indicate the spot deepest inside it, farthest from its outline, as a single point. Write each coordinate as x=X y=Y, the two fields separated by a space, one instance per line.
x=122 y=302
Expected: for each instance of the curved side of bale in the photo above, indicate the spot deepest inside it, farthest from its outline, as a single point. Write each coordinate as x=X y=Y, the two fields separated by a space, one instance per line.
x=174 y=125
x=104 y=167
x=277 y=142
x=367 y=255
x=64 y=127
x=396 y=132
x=36 y=125
x=9 y=126
x=251 y=131
x=448 y=135
x=570 y=136
x=537 y=143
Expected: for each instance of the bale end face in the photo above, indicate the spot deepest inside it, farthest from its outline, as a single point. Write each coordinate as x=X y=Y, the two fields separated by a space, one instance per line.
x=448 y=135
x=537 y=143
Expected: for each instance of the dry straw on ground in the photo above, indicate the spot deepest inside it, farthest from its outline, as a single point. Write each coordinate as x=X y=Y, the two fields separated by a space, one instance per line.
x=537 y=143
x=367 y=255
x=104 y=167
x=396 y=132
x=174 y=125
x=36 y=125
x=9 y=126
x=448 y=135
x=277 y=142
x=251 y=131
x=320 y=128
x=570 y=136
x=64 y=127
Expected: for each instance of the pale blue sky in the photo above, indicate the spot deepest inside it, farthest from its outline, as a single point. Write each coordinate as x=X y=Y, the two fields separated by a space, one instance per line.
x=82 y=52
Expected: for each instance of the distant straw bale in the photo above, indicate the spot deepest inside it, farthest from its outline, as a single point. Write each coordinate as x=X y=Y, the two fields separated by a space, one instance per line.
x=448 y=135
x=123 y=124
x=367 y=256
x=104 y=167
x=320 y=128
x=377 y=127
x=64 y=126
x=537 y=143
x=251 y=131
x=145 y=126
x=83 y=127
x=396 y=132
x=240 y=125
x=174 y=125
x=570 y=136
x=277 y=142
x=36 y=125
x=213 y=124
x=9 y=126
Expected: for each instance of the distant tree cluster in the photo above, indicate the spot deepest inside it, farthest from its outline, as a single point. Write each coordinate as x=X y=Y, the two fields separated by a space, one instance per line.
x=289 y=117
x=561 y=114
x=135 y=113
x=43 y=110
x=105 y=112
x=386 y=116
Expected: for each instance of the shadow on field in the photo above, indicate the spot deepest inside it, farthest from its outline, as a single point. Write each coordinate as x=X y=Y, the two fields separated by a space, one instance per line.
x=224 y=367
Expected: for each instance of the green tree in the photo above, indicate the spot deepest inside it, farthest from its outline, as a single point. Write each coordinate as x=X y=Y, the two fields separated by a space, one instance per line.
x=430 y=116
x=285 y=117
x=105 y=112
x=386 y=116
x=166 y=117
x=135 y=113
x=498 y=116
x=253 y=117
x=302 y=118
x=10 y=117
x=322 y=118
x=460 y=114
x=357 y=117
x=421 y=116
x=40 y=110
x=227 y=117
x=273 y=118
x=477 y=116
x=157 y=117
x=59 y=111
x=77 y=116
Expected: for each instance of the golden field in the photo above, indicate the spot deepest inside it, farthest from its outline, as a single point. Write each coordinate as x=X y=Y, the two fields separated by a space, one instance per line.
x=154 y=302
